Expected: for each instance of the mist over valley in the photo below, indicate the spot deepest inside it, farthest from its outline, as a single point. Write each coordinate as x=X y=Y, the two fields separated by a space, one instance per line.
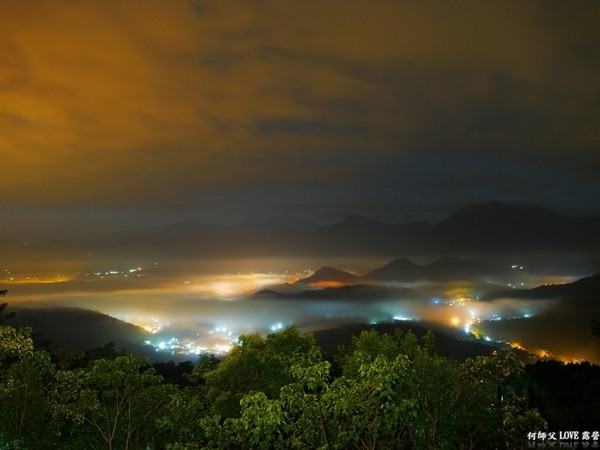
x=198 y=302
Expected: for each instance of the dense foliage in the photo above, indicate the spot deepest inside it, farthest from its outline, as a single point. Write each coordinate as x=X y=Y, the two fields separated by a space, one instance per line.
x=278 y=391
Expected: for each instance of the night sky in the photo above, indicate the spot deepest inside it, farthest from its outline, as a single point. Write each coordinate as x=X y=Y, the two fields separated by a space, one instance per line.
x=124 y=114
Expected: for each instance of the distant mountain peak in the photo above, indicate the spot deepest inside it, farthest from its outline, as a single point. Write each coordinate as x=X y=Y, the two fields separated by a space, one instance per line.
x=327 y=271
x=329 y=274
x=443 y=268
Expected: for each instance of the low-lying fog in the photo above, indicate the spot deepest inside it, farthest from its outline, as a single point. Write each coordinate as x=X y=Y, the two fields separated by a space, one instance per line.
x=200 y=305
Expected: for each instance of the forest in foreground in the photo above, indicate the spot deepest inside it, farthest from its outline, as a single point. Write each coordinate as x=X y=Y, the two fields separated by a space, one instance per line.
x=383 y=391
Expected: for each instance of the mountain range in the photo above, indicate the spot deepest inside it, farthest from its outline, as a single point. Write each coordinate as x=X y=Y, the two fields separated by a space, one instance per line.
x=329 y=283
x=492 y=227
x=488 y=227
x=446 y=268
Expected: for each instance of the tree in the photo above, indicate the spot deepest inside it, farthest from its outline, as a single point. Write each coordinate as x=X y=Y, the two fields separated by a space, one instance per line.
x=14 y=342
x=369 y=344
x=4 y=317
x=375 y=409
x=24 y=399
x=25 y=375
x=120 y=399
x=294 y=420
x=179 y=423
x=258 y=364
x=395 y=393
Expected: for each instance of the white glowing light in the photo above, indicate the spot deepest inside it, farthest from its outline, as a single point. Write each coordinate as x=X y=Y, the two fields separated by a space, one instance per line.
x=276 y=327
x=403 y=318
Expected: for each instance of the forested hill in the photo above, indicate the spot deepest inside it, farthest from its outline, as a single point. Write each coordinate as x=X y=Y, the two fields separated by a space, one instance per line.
x=78 y=329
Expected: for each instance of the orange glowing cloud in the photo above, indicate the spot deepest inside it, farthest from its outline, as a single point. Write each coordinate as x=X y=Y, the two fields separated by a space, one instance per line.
x=122 y=103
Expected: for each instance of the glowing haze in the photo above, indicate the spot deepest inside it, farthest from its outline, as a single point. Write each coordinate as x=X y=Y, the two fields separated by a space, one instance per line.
x=192 y=311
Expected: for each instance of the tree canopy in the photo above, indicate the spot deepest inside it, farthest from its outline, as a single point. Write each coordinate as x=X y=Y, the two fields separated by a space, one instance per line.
x=276 y=391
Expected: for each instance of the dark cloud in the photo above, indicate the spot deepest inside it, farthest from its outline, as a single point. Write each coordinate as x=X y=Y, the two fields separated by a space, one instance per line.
x=161 y=105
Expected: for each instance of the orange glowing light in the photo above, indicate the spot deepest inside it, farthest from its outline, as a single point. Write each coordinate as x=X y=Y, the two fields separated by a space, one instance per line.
x=40 y=280
x=477 y=333
x=541 y=353
x=327 y=284
x=455 y=321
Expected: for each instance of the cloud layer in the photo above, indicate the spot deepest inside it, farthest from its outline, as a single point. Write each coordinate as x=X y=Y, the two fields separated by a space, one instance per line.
x=159 y=104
